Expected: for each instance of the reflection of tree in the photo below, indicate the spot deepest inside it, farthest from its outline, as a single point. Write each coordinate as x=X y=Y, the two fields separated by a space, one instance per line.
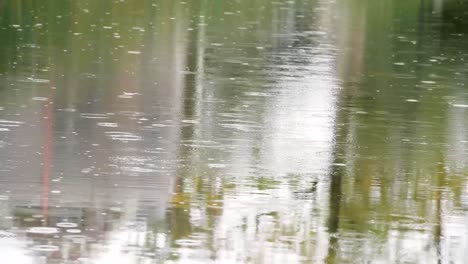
x=390 y=144
x=337 y=173
x=439 y=183
x=455 y=14
x=72 y=45
x=334 y=211
x=351 y=65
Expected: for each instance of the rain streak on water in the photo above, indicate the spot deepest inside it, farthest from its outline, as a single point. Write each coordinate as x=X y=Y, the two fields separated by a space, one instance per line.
x=172 y=131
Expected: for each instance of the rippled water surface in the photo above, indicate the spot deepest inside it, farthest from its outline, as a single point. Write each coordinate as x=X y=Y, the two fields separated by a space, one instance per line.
x=302 y=131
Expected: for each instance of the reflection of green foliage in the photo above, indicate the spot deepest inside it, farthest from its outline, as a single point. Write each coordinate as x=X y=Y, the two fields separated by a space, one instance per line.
x=398 y=151
x=179 y=221
x=455 y=11
x=264 y=183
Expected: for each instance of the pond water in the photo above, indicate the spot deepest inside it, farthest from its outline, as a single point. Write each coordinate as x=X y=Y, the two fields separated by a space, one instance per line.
x=301 y=131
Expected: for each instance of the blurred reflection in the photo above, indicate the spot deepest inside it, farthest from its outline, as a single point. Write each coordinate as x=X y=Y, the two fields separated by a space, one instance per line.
x=238 y=132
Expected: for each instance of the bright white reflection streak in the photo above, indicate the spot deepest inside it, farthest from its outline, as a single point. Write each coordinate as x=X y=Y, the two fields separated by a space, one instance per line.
x=116 y=251
x=299 y=141
x=11 y=251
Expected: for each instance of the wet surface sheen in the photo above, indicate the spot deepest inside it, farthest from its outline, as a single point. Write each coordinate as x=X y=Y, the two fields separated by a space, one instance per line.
x=303 y=131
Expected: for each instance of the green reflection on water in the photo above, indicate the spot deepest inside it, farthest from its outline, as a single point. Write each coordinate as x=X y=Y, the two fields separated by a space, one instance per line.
x=288 y=131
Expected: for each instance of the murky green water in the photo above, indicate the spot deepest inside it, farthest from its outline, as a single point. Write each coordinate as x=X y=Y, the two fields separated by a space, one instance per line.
x=303 y=131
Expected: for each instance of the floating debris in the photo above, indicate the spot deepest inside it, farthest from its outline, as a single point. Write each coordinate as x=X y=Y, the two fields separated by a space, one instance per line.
x=159 y=125
x=460 y=105
x=428 y=82
x=40 y=99
x=137 y=169
x=33 y=80
x=43 y=230
x=66 y=225
x=258 y=94
x=9 y=123
x=45 y=248
x=123 y=136
x=73 y=231
x=107 y=124
x=216 y=165
x=188 y=121
x=94 y=116
x=339 y=164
